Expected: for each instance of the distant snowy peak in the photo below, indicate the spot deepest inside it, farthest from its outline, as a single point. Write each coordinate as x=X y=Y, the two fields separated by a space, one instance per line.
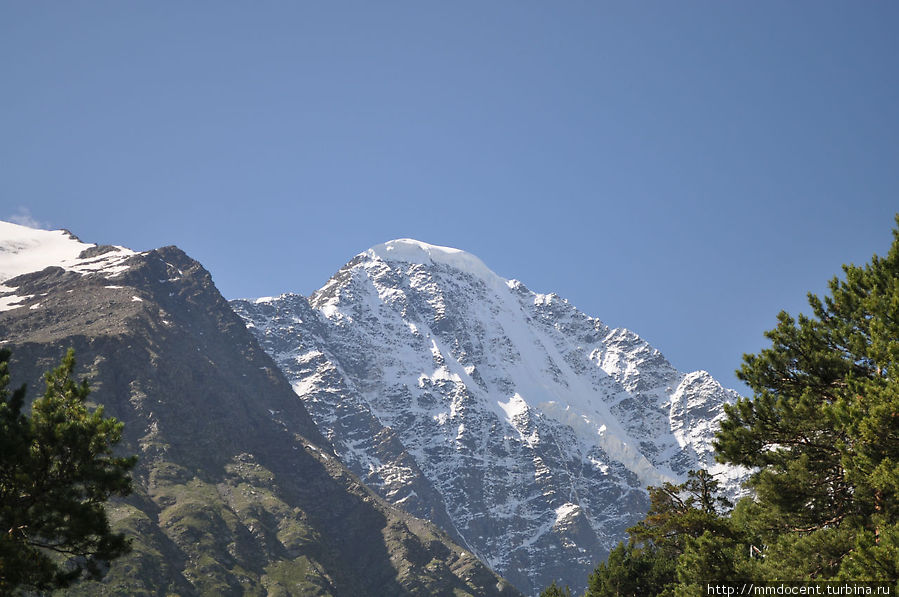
x=413 y=251
x=24 y=250
x=522 y=425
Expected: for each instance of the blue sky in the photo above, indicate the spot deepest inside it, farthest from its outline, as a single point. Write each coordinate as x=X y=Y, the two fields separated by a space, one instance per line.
x=683 y=169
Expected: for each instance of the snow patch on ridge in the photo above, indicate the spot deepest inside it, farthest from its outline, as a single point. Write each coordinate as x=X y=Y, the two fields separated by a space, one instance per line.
x=13 y=301
x=24 y=250
x=565 y=512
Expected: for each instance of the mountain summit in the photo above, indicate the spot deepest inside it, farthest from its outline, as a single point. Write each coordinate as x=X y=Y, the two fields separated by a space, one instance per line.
x=525 y=428
x=407 y=250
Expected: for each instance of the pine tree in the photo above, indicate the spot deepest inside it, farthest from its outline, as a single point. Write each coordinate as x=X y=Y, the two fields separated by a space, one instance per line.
x=555 y=590
x=57 y=470
x=679 y=516
x=822 y=430
x=633 y=570
x=680 y=511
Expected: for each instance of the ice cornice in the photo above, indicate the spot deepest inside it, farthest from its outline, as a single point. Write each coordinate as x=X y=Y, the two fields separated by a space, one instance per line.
x=408 y=250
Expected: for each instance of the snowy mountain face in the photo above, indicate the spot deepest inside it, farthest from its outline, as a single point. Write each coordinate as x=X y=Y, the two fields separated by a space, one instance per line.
x=525 y=428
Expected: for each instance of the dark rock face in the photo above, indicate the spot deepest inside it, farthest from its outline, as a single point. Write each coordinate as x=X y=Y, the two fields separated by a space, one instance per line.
x=237 y=492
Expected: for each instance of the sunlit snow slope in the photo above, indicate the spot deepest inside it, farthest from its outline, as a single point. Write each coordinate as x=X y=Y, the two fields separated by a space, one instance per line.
x=25 y=250
x=526 y=428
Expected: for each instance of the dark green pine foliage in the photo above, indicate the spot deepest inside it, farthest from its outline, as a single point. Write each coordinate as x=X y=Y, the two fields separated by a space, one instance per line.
x=634 y=571
x=555 y=590
x=823 y=431
x=677 y=512
x=57 y=470
x=679 y=516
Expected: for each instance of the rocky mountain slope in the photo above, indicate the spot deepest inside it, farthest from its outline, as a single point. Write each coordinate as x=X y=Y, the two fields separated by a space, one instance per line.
x=523 y=427
x=237 y=493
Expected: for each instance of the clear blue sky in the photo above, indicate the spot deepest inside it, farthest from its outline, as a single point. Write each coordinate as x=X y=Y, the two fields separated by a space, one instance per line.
x=683 y=169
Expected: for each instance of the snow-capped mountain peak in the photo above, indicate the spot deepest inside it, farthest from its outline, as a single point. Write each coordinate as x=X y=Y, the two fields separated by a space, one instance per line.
x=526 y=428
